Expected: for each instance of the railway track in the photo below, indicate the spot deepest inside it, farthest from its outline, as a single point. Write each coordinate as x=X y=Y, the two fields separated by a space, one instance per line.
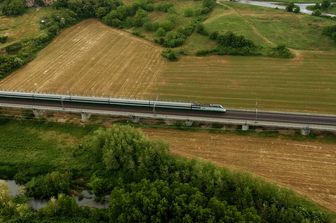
x=277 y=117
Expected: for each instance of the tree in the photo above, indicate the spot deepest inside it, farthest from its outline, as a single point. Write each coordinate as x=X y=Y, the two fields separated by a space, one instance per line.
x=13 y=7
x=290 y=7
x=317 y=12
x=325 y=4
x=169 y=54
x=160 y=32
x=49 y=185
x=140 y=17
x=296 y=9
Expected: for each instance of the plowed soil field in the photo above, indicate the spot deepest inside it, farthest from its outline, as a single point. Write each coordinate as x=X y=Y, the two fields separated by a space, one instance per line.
x=91 y=59
x=308 y=168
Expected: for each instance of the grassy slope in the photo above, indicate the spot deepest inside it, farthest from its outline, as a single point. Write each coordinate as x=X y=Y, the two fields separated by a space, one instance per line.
x=269 y=27
x=21 y=27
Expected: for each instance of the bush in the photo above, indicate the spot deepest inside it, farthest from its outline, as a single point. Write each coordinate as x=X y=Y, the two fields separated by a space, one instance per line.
x=13 y=7
x=281 y=51
x=325 y=4
x=230 y=39
x=290 y=7
x=167 y=25
x=205 y=52
x=187 y=30
x=317 y=12
x=296 y=9
x=174 y=39
x=214 y=35
x=13 y=48
x=3 y=39
x=160 y=32
x=9 y=64
x=188 y=13
x=330 y=31
x=164 y=7
x=49 y=185
x=333 y=36
x=169 y=54
x=201 y=30
x=39 y=3
x=62 y=207
x=151 y=26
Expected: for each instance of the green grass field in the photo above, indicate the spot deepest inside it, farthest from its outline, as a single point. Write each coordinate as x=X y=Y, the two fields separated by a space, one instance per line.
x=23 y=27
x=267 y=27
x=37 y=144
x=304 y=84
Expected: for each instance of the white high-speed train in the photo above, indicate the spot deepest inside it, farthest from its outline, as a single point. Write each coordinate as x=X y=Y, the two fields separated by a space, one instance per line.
x=114 y=101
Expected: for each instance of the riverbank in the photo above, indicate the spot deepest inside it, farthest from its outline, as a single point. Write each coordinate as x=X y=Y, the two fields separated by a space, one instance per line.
x=282 y=6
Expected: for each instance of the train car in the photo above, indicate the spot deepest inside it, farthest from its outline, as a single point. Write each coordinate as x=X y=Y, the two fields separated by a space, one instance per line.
x=114 y=101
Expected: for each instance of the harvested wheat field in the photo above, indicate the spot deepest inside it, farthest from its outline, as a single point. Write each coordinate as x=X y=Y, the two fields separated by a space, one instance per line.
x=308 y=168
x=91 y=59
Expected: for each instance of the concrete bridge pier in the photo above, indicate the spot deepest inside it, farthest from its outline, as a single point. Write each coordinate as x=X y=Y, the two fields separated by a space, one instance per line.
x=38 y=113
x=305 y=131
x=85 y=116
x=245 y=127
x=134 y=119
x=189 y=123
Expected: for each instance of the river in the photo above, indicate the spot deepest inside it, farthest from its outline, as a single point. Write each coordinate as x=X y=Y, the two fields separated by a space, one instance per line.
x=279 y=5
x=85 y=199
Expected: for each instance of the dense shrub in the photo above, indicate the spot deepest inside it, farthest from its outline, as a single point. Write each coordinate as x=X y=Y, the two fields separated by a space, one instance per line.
x=164 y=7
x=3 y=39
x=201 y=30
x=167 y=25
x=230 y=39
x=281 y=51
x=151 y=26
x=206 y=52
x=317 y=12
x=296 y=9
x=213 y=35
x=188 y=12
x=174 y=39
x=290 y=7
x=325 y=4
x=330 y=31
x=49 y=185
x=13 y=7
x=160 y=32
x=9 y=64
x=169 y=54
x=64 y=207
